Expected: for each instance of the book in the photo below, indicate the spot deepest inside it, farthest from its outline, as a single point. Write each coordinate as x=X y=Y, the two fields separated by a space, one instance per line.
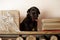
x=51 y=26
x=54 y=20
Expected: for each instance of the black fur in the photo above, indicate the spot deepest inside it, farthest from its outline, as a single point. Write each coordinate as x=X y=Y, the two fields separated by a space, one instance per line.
x=30 y=23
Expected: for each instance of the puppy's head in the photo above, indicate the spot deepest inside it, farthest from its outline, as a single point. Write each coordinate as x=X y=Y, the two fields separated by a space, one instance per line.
x=33 y=12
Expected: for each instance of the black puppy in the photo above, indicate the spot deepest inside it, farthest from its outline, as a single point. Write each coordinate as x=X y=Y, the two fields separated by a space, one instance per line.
x=30 y=22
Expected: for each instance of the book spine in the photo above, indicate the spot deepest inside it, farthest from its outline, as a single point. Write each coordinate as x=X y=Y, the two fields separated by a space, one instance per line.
x=51 y=26
x=50 y=20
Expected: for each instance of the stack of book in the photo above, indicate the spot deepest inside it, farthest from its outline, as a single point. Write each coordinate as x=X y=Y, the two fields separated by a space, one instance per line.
x=50 y=24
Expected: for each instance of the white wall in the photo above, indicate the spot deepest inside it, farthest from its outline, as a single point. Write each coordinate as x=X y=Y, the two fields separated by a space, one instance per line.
x=48 y=8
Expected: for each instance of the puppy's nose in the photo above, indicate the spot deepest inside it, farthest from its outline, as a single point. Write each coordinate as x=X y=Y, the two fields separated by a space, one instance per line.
x=36 y=18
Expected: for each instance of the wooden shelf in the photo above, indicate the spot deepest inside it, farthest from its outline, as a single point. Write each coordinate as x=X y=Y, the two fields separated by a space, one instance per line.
x=41 y=32
x=33 y=32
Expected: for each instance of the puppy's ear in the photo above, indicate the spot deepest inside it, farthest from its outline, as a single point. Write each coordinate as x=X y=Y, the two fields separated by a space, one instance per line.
x=28 y=11
x=38 y=12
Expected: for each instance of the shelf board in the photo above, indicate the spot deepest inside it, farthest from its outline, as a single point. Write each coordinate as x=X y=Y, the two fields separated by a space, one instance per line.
x=32 y=32
x=41 y=32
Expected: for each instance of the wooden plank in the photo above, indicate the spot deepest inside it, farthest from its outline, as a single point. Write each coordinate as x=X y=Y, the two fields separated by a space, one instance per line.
x=33 y=32
x=8 y=38
x=41 y=32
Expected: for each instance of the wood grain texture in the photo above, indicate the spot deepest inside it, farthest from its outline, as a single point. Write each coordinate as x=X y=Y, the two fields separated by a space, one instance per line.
x=8 y=38
x=32 y=33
